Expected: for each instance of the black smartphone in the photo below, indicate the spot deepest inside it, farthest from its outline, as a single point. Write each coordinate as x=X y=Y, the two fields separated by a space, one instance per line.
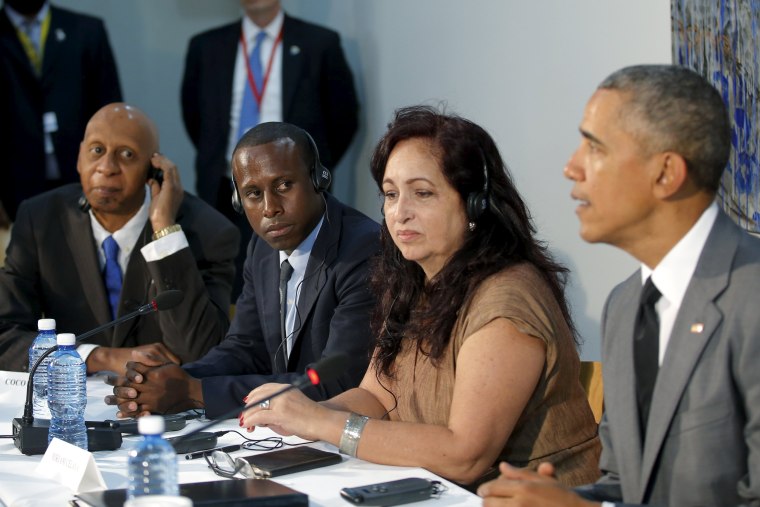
x=413 y=489
x=196 y=442
x=172 y=422
x=155 y=173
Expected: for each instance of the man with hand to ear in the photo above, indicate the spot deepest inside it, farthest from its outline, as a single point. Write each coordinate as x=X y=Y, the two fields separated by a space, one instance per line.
x=85 y=254
x=680 y=342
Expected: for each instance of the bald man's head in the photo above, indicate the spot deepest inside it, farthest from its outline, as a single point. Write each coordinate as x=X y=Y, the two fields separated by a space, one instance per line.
x=122 y=114
x=114 y=158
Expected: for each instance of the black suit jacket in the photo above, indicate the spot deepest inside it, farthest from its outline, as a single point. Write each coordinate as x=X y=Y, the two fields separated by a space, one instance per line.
x=318 y=94
x=78 y=78
x=52 y=269
x=333 y=311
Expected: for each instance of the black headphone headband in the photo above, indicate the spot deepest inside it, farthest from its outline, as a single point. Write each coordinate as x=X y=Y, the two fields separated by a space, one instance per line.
x=318 y=174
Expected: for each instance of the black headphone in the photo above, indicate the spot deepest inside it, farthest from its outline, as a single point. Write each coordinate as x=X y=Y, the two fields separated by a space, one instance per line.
x=477 y=202
x=320 y=176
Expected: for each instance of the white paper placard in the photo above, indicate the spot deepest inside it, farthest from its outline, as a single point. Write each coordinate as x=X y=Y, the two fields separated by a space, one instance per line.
x=71 y=466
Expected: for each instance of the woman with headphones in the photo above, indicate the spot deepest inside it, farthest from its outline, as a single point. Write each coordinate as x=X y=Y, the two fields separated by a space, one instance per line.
x=475 y=359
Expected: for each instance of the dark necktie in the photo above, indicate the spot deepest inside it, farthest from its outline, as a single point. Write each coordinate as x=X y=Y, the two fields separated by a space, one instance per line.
x=646 y=349
x=286 y=271
x=112 y=273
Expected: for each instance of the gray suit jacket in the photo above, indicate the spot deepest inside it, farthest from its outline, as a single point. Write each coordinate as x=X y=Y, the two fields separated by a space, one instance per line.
x=703 y=433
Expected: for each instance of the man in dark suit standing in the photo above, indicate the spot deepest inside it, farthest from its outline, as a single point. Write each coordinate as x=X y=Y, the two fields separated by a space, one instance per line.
x=321 y=246
x=681 y=336
x=86 y=253
x=267 y=67
x=57 y=70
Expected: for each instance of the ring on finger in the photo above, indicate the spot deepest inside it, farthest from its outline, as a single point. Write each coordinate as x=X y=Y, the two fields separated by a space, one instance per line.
x=264 y=405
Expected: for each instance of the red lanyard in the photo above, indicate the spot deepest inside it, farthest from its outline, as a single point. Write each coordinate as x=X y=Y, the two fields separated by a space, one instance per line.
x=258 y=95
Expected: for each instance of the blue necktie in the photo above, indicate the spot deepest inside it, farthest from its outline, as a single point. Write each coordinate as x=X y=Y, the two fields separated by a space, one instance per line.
x=112 y=273
x=249 y=112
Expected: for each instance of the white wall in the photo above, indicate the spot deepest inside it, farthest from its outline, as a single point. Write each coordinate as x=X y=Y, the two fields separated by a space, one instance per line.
x=521 y=69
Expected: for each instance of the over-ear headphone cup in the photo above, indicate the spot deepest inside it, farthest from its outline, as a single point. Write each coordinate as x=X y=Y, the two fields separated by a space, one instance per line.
x=236 y=204
x=320 y=177
x=476 y=205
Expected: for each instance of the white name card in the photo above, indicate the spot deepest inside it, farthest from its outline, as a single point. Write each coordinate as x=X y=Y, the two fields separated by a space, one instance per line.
x=71 y=466
x=12 y=395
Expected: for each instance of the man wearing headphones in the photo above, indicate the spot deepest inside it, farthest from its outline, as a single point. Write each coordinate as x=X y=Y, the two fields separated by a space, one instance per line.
x=305 y=293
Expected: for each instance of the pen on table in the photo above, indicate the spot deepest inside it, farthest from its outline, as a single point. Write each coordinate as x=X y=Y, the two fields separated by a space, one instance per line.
x=199 y=454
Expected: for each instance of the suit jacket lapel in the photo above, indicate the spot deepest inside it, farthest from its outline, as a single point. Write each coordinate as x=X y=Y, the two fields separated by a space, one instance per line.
x=322 y=255
x=292 y=64
x=134 y=288
x=697 y=320
x=226 y=54
x=81 y=243
x=620 y=389
x=12 y=46
x=267 y=287
x=56 y=37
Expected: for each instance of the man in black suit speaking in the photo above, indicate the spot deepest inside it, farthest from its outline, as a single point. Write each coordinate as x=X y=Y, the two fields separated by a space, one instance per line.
x=266 y=67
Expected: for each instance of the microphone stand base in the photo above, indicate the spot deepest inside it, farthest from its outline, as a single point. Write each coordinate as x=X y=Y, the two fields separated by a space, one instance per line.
x=33 y=439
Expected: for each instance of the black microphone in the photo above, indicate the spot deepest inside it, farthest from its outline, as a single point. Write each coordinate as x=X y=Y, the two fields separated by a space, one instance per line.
x=32 y=439
x=324 y=370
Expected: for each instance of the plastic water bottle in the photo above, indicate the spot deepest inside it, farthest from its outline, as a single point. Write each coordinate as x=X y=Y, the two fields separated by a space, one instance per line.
x=44 y=340
x=152 y=465
x=67 y=393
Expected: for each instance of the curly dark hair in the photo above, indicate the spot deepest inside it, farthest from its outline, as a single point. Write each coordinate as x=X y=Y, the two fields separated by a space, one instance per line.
x=425 y=311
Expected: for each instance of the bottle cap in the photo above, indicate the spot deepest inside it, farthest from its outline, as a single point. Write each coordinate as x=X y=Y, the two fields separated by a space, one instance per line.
x=150 y=425
x=65 y=339
x=46 y=324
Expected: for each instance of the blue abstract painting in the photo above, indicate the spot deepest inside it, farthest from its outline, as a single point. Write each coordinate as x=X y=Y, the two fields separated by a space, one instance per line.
x=719 y=39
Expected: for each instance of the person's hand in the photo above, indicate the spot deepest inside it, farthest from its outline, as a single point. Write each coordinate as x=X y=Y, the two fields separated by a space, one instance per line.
x=520 y=487
x=115 y=358
x=163 y=389
x=154 y=354
x=165 y=197
x=290 y=413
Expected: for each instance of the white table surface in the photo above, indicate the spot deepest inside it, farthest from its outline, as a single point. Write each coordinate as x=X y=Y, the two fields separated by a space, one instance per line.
x=19 y=486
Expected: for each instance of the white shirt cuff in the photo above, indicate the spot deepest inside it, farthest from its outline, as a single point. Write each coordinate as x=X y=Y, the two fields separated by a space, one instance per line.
x=85 y=350
x=608 y=504
x=164 y=247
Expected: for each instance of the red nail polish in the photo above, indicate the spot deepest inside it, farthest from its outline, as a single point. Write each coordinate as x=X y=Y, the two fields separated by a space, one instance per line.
x=245 y=399
x=241 y=423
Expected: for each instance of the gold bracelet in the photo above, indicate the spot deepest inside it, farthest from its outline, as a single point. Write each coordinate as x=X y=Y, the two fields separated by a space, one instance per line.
x=166 y=230
x=349 y=440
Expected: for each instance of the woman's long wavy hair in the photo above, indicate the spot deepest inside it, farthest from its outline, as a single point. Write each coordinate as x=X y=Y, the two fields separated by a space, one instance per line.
x=425 y=311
